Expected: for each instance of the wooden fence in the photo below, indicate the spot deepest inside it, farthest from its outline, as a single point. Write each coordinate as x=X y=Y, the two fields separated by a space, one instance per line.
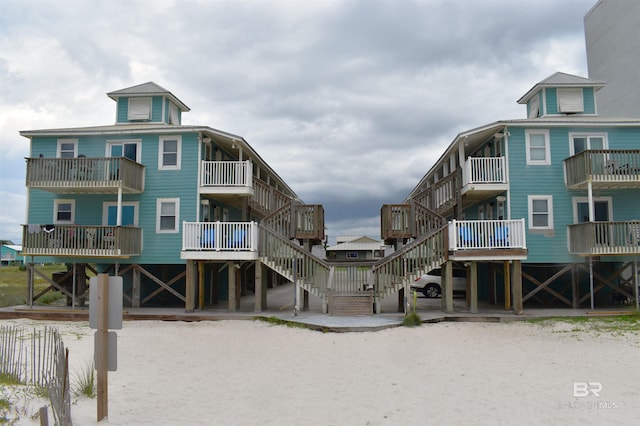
x=40 y=360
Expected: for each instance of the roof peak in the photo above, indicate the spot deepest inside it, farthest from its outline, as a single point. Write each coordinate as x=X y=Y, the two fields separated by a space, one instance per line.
x=561 y=79
x=147 y=89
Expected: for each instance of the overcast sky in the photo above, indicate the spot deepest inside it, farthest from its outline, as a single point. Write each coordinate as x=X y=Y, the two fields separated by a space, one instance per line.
x=349 y=101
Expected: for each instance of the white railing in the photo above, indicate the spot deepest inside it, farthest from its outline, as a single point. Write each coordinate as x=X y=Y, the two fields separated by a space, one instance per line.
x=485 y=170
x=220 y=236
x=226 y=173
x=487 y=234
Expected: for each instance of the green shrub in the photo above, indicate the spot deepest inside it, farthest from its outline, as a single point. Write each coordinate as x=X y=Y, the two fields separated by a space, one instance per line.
x=412 y=320
x=85 y=381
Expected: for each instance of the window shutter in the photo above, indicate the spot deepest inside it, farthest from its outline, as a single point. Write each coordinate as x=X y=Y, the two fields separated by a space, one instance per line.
x=570 y=100
x=139 y=109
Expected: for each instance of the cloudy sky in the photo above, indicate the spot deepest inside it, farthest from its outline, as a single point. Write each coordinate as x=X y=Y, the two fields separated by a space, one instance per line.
x=350 y=101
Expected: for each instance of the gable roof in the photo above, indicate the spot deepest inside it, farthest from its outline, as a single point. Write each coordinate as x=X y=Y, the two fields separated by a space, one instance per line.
x=561 y=79
x=147 y=89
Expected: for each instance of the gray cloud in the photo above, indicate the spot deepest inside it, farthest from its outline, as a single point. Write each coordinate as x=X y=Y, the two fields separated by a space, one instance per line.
x=349 y=101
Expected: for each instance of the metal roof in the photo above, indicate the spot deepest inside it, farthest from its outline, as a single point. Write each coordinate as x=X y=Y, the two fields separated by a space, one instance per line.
x=561 y=79
x=147 y=89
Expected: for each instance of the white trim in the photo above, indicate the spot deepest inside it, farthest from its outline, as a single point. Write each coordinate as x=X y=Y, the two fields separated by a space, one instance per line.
x=176 y=202
x=107 y=204
x=549 y=199
x=56 y=205
x=576 y=200
x=137 y=142
x=588 y=136
x=547 y=150
x=65 y=141
x=161 y=140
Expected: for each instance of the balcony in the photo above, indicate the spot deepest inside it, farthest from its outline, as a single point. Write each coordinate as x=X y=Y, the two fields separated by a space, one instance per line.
x=219 y=241
x=487 y=240
x=484 y=177
x=403 y=221
x=84 y=175
x=81 y=241
x=226 y=178
x=604 y=168
x=605 y=238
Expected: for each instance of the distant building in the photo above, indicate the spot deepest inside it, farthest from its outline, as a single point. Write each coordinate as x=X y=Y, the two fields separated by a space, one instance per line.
x=356 y=249
x=11 y=254
x=612 y=34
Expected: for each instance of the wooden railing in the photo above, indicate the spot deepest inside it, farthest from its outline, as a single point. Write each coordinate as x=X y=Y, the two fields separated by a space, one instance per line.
x=416 y=258
x=81 y=240
x=487 y=234
x=605 y=166
x=293 y=262
x=226 y=173
x=82 y=173
x=267 y=199
x=351 y=277
x=297 y=220
x=444 y=192
x=485 y=170
x=605 y=238
x=408 y=220
x=220 y=236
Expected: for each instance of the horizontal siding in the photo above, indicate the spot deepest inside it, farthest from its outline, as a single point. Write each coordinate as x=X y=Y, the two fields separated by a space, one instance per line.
x=549 y=180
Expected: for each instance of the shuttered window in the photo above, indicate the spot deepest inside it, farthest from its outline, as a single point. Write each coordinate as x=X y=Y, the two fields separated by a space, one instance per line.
x=139 y=109
x=570 y=100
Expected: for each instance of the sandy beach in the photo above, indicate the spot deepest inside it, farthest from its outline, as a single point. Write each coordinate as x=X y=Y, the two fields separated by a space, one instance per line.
x=253 y=373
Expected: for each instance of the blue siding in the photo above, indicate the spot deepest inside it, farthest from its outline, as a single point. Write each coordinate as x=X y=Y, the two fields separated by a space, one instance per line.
x=528 y=180
x=122 y=112
x=589 y=99
x=551 y=101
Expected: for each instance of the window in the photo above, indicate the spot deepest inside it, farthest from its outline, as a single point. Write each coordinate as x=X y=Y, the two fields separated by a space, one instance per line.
x=139 y=109
x=167 y=214
x=534 y=107
x=581 y=142
x=67 y=148
x=129 y=148
x=169 y=153
x=537 y=145
x=540 y=212
x=173 y=114
x=64 y=211
x=352 y=255
x=570 y=100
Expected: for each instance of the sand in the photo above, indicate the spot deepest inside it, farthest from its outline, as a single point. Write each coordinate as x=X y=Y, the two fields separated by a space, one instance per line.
x=252 y=373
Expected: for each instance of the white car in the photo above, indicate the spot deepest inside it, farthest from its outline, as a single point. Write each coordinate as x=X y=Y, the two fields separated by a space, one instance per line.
x=430 y=283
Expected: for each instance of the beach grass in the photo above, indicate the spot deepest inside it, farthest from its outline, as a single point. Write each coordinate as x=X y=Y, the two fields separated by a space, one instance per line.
x=13 y=285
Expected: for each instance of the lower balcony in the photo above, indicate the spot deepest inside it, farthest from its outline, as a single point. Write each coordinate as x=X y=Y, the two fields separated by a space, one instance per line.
x=219 y=241
x=81 y=241
x=605 y=238
x=487 y=240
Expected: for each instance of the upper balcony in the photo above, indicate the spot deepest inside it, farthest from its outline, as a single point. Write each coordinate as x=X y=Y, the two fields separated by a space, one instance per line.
x=226 y=178
x=81 y=241
x=219 y=241
x=605 y=238
x=604 y=168
x=487 y=240
x=484 y=177
x=82 y=175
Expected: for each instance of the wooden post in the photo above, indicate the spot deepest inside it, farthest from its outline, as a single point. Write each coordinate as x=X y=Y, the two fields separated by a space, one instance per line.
x=190 y=278
x=473 y=291
x=135 y=288
x=101 y=346
x=258 y=305
x=231 y=274
x=517 y=287
x=575 y=290
x=447 y=284
x=30 y=283
x=507 y=286
x=200 y=266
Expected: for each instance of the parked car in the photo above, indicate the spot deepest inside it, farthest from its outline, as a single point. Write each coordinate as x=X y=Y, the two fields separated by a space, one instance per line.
x=431 y=286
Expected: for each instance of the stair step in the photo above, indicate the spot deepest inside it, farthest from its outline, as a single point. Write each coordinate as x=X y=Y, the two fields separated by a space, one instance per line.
x=351 y=304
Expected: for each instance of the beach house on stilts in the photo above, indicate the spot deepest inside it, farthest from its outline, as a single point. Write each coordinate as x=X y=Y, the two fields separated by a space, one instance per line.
x=541 y=211
x=188 y=215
